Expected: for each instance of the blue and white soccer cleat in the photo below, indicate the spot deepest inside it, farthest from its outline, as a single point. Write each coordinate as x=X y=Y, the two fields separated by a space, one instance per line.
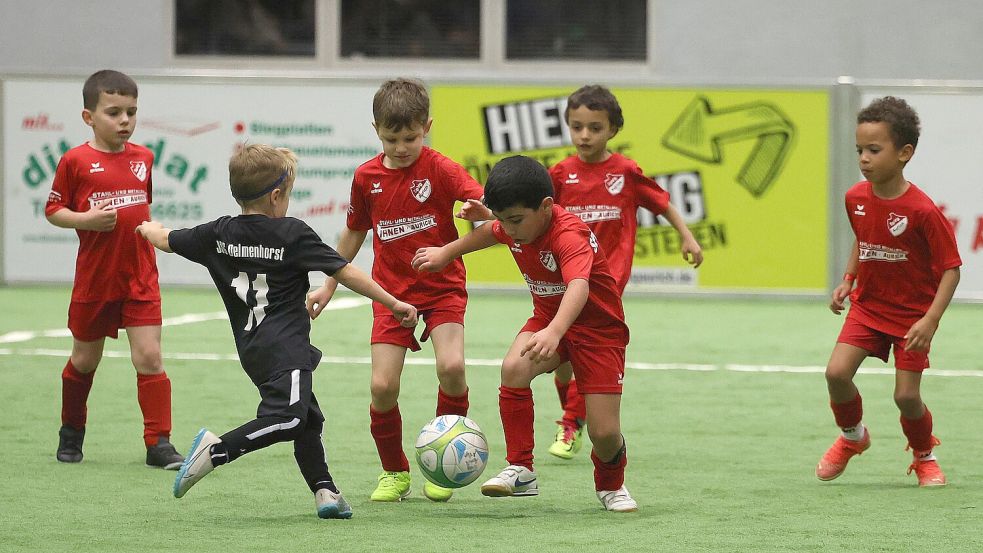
x=196 y=464
x=331 y=505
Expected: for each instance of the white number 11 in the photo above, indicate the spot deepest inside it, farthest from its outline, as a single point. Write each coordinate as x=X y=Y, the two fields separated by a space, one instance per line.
x=243 y=286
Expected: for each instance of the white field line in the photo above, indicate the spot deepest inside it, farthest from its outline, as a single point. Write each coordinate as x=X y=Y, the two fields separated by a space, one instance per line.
x=333 y=360
x=25 y=335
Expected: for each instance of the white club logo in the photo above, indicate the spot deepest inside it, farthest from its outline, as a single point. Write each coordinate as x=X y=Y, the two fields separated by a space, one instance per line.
x=548 y=261
x=421 y=190
x=896 y=224
x=139 y=169
x=614 y=183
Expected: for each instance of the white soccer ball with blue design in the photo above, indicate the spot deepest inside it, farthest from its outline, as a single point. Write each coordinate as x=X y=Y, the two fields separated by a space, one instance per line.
x=451 y=451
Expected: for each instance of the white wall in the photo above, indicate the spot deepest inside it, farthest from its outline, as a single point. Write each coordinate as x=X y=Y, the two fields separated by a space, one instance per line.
x=717 y=40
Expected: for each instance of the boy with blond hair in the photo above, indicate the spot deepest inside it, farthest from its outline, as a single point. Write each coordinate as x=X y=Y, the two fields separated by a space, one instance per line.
x=103 y=190
x=406 y=196
x=259 y=261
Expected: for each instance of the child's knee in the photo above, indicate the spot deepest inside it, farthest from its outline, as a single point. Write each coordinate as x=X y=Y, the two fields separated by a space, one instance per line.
x=450 y=369
x=384 y=388
x=907 y=400
x=147 y=361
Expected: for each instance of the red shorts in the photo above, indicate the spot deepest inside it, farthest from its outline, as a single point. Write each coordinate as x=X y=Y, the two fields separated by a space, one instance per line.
x=91 y=321
x=387 y=330
x=598 y=369
x=878 y=344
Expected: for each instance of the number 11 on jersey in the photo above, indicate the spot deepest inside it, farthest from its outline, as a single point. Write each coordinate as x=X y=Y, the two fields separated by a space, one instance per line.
x=253 y=293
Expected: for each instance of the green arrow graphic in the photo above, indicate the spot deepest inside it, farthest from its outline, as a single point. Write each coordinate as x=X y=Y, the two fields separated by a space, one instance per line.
x=699 y=132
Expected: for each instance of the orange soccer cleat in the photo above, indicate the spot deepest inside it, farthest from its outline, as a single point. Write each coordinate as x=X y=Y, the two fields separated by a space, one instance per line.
x=838 y=455
x=928 y=472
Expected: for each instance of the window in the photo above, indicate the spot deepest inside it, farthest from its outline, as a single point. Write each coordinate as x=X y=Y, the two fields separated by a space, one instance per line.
x=410 y=28
x=576 y=29
x=245 y=28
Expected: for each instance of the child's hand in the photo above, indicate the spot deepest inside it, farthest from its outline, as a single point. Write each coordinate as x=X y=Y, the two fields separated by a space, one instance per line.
x=147 y=227
x=919 y=336
x=100 y=217
x=840 y=294
x=429 y=259
x=542 y=345
x=474 y=211
x=692 y=252
x=405 y=314
x=318 y=299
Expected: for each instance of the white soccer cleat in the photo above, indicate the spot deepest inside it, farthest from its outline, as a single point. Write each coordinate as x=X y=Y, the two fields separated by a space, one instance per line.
x=331 y=505
x=514 y=480
x=196 y=464
x=618 y=501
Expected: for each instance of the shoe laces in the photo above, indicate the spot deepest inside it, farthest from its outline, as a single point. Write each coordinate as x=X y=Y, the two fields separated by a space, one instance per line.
x=840 y=453
x=388 y=479
x=926 y=470
x=934 y=442
x=566 y=433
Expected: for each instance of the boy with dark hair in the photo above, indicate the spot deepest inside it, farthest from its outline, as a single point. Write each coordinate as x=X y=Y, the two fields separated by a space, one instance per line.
x=103 y=190
x=905 y=265
x=577 y=317
x=259 y=262
x=406 y=195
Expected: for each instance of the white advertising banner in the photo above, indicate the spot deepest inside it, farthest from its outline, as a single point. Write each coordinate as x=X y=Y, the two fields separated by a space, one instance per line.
x=191 y=127
x=948 y=166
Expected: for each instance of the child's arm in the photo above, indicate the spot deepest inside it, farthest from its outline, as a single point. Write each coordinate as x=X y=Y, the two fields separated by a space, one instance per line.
x=436 y=258
x=690 y=248
x=100 y=218
x=360 y=283
x=349 y=243
x=474 y=211
x=919 y=336
x=543 y=344
x=156 y=234
x=842 y=291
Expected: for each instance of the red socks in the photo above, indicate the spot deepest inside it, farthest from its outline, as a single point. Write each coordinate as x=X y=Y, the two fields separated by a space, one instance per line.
x=452 y=405
x=387 y=431
x=562 y=390
x=575 y=409
x=610 y=476
x=849 y=414
x=919 y=432
x=154 y=396
x=75 y=388
x=517 y=410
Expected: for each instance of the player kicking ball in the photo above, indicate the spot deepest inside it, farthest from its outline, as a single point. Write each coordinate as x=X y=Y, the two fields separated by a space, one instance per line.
x=259 y=261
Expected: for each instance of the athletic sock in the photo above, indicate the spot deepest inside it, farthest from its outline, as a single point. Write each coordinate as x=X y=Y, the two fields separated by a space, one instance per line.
x=848 y=417
x=919 y=434
x=219 y=453
x=575 y=412
x=518 y=412
x=154 y=396
x=609 y=476
x=387 y=431
x=562 y=390
x=75 y=387
x=452 y=405
x=326 y=485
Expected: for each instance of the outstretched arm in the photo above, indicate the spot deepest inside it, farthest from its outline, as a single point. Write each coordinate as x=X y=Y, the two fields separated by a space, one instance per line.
x=349 y=243
x=690 y=248
x=156 y=234
x=357 y=281
x=436 y=258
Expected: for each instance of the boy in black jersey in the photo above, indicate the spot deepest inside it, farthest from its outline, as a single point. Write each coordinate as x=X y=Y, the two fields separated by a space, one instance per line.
x=259 y=262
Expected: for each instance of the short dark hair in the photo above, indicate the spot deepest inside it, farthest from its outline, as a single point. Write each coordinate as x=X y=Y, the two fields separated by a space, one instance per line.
x=596 y=98
x=901 y=119
x=108 y=81
x=401 y=103
x=517 y=181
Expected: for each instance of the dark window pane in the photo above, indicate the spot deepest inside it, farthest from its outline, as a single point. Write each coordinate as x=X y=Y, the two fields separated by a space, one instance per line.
x=244 y=28
x=576 y=29
x=410 y=28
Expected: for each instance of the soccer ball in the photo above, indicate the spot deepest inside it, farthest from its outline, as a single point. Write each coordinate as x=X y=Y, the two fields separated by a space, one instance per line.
x=451 y=451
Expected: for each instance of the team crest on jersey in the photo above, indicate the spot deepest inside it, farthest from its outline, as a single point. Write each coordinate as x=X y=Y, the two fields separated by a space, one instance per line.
x=139 y=169
x=614 y=183
x=593 y=242
x=421 y=190
x=548 y=261
x=896 y=224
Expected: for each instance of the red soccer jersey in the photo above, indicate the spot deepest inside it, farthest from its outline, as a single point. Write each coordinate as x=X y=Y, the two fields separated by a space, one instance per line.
x=114 y=265
x=606 y=196
x=905 y=245
x=408 y=209
x=568 y=251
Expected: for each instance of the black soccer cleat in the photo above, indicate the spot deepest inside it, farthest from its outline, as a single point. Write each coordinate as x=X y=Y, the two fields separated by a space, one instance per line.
x=164 y=455
x=70 y=444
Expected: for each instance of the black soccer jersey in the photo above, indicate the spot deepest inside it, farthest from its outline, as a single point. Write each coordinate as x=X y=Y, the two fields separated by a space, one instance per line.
x=259 y=265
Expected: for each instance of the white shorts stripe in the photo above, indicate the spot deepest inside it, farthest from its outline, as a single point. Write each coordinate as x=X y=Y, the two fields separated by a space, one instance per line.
x=274 y=428
x=294 y=386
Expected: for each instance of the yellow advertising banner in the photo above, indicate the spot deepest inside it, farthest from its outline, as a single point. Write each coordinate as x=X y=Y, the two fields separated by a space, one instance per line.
x=747 y=169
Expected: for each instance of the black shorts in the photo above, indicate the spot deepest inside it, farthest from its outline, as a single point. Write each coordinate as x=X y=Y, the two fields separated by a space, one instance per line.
x=290 y=395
